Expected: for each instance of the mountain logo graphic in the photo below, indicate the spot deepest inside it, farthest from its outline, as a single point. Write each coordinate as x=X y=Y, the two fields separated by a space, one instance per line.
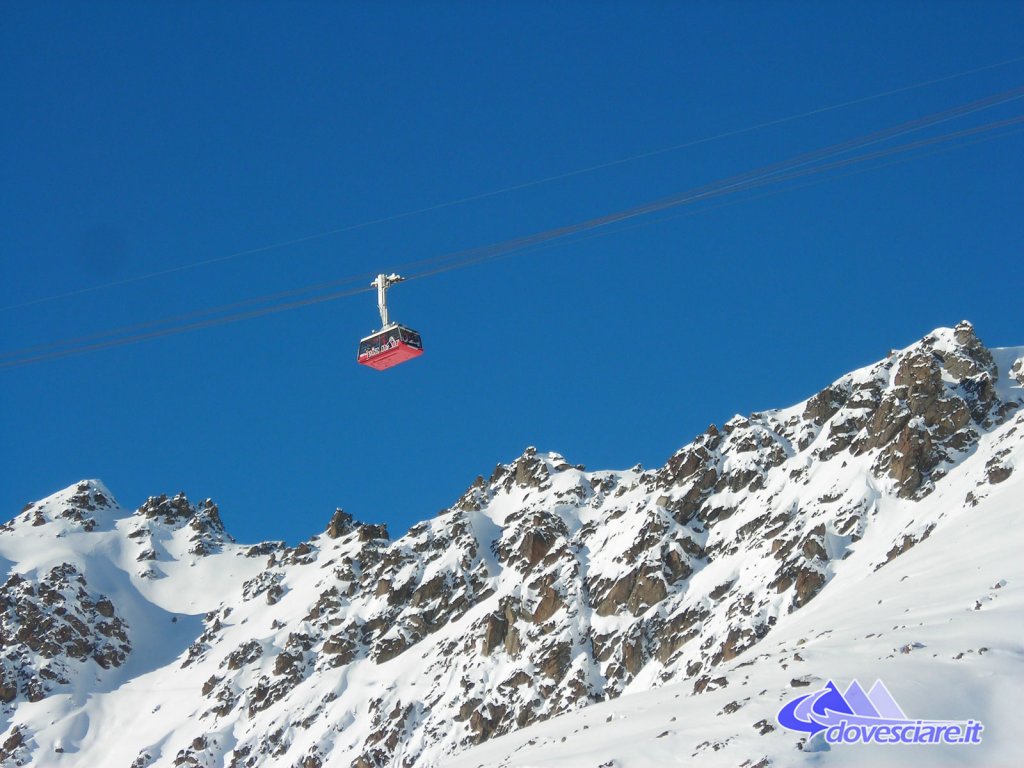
x=871 y=717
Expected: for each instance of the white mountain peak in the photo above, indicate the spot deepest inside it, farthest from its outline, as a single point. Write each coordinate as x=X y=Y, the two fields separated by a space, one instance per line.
x=789 y=547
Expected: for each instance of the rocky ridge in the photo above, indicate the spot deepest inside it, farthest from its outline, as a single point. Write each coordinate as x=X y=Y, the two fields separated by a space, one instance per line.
x=543 y=589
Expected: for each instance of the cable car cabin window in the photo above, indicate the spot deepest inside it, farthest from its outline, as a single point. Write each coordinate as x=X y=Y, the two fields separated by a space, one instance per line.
x=379 y=342
x=411 y=338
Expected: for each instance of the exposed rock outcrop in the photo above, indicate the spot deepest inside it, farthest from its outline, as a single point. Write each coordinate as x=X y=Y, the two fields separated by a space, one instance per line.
x=542 y=589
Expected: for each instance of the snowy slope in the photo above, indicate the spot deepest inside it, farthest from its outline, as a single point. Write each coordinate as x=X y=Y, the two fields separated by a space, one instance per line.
x=942 y=625
x=150 y=637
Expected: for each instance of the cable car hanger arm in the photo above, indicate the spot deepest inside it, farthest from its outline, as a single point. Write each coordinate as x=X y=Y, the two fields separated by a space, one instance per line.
x=382 y=283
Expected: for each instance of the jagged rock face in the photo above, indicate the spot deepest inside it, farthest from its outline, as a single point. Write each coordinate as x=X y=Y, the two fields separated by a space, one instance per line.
x=544 y=587
x=341 y=523
x=1017 y=370
x=916 y=410
x=53 y=629
x=156 y=522
x=83 y=505
x=15 y=750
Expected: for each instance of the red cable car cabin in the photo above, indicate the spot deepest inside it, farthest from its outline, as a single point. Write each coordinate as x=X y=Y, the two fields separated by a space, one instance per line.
x=389 y=347
x=393 y=343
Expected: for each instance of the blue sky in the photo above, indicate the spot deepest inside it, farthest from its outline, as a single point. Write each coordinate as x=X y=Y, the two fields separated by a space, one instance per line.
x=142 y=137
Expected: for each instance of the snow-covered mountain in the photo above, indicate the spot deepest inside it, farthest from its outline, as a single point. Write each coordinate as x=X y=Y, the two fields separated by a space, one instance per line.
x=870 y=531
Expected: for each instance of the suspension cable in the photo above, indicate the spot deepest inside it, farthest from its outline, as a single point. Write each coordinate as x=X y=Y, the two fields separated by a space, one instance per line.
x=507 y=189
x=775 y=173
